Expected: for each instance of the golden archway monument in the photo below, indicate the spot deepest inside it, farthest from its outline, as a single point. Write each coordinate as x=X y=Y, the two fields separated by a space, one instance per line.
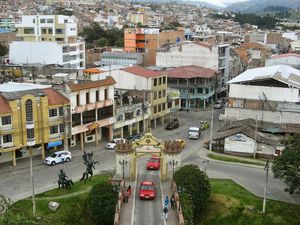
x=147 y=145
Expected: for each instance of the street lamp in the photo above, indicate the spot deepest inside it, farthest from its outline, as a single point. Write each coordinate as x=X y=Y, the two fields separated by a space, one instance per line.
x=205 y=164
x=265 y=190
x=173 y=163
x=123 y=163
x=32 y=183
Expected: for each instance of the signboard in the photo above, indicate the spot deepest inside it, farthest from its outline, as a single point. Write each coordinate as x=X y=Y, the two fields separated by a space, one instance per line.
x=54 y=144
x=92 y=126
x=147 y=148
x=143 y=31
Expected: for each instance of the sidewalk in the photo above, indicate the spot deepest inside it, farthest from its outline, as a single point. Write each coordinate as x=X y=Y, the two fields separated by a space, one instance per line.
x=167 y=191
x=127 y=209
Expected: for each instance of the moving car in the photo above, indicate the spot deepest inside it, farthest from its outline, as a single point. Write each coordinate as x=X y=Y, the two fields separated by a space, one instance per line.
x=194 y=132
x=172 y=125
x=147 y=190
x=181 y=142
x=153 y=163
x=204 y=125
x=58 y=157
x=111 y=145
x=134 y=137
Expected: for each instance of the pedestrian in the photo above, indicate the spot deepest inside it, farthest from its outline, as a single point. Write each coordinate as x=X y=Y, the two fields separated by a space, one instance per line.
x=172 y=202
x=166 y=201
x=165 y=211
x=126 y=196
x=129 y=190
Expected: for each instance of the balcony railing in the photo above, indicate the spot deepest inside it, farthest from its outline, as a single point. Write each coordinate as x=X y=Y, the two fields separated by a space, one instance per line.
x=29 y=124
x=6 y=127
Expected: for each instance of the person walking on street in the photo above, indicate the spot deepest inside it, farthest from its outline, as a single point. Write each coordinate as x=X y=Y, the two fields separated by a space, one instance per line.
x=165 y=211
x=129 y=190
x=166 y=203
x=172 y=202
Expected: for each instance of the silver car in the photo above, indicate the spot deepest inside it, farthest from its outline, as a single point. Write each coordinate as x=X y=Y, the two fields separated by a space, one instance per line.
x=58 y=157
x=111 y=145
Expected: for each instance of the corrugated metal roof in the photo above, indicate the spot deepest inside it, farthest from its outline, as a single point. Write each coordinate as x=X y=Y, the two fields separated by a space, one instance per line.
x=282 y=73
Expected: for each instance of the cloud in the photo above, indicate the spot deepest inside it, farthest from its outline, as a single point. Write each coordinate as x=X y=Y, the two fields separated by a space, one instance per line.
x=222 y=3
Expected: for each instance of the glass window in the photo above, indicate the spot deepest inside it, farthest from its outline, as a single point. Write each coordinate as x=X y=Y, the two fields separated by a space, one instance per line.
x=163 y=107
x=28 y=31
x=199 y=90
x=87 y=98
x=61 y=128
x=42 y=20
x=33 y=21
x=44 y=31
x=155 y=82
x=164 y=80
x=28 y=107
x=105 y=94
x=7 y=138
x=50 y=31
x=155 y=109
x=159 y=94
x=159 y=81
x=77 y=99
x=97 y=96
x=54 y=130
x=61 y=111
x=155 y=95
x=30 y=133
x=59 y=31
x=6 y=120
x=49 y=20
x=52 y=112
x=164 y=93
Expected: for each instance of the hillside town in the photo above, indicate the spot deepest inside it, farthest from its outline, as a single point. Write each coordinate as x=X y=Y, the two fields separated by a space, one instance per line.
x=81 y=76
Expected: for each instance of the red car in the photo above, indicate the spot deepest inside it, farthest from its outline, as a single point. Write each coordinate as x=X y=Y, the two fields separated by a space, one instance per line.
x=147 y=190
x=153 y=163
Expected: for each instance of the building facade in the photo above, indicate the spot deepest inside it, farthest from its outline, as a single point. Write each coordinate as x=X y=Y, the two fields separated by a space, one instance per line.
x=48 y=39
x=92 y=111
x=32 y=116
x=7 y=24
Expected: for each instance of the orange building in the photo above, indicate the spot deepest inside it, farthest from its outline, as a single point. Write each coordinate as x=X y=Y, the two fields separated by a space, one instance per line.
x=148 y=41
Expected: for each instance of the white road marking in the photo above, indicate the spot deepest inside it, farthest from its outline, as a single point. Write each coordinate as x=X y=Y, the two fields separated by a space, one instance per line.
x=162 y=198
x=133 y=206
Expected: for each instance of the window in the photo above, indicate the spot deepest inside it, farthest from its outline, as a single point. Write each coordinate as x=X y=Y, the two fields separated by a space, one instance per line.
x=49 y=20
x=200 y=90
x=164 y=93
x=30 y=133
x=61 y=111
x=59 y=39
x=159 y=108
x=44 y=31
x=42 y=20
x=50 y=31
x=105 y=94
x=138 y=112
x=6 y=120
x=54 y=130
x=61 y=128
x=159 y=94
x=159 y=81
x=52 y=112
x=33 y=21
x=77 y=100
x=59 y=31
x=87 y=98
x=28 y=107
x=164 y=80
x=7 y=138
x=155 y=109
x=97 y=96
x=163 y=107
x=155 y=95
x=155 y=82
x=28 y=31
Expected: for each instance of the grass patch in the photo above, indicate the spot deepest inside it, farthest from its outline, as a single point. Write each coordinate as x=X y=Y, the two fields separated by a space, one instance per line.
x=232 y=159
x=73 y=206
x=231 y=204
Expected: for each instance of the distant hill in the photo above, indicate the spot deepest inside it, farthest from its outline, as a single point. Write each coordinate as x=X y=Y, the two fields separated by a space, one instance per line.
x=257 y=6
x=204 y=4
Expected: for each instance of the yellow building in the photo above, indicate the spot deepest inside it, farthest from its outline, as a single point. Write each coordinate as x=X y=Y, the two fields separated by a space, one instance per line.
x=139 y=17
x=32 y=116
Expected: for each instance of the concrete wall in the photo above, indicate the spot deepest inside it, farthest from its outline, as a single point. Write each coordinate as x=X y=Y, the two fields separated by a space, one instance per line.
x=256 y=92
x=288 y=60
x=239 y=143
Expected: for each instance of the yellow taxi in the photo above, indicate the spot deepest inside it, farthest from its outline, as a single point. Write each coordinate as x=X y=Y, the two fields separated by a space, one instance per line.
x=181 y=142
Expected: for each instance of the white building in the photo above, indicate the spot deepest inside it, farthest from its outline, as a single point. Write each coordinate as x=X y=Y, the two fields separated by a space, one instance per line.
x=290 y=59
x=48 y=39
x=199 y=54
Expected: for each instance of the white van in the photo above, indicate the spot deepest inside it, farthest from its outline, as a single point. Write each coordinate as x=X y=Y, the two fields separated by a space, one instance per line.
x=194 y=132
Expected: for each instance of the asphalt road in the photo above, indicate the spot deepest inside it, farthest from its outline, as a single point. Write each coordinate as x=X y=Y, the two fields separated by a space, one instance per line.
x=147 y=211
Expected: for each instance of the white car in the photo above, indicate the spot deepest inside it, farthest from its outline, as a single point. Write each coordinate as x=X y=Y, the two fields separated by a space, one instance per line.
x=111 y=145
x=58 y=157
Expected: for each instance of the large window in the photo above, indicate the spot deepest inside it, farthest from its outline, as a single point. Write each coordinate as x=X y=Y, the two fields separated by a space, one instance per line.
x=44 y=31
x=61 y=128
x=155 y=82
x=164 y=80
x=61 y=111
x=28 y=31
x=54 y=130
x=6 y=120
x=105 y=94
x=30 y=133
x=88 y=116
x=105 y=112
x=59 y=31
x=7 y=138
x=28 y=107
x=52 y=112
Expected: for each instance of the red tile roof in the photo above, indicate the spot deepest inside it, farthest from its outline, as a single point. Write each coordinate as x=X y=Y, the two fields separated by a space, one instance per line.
x=191 y=72
x=4 y=106
x=54 y=97
x=91 y=84
x=285 y=55
x=140 y=71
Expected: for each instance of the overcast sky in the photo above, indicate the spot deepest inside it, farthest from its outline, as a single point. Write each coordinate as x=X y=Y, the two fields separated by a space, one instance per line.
x=222 y=2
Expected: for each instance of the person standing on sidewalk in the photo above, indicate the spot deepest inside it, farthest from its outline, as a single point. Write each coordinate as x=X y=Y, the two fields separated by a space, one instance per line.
x=165 y=211
x=172 y=202
x=166 y=202
x=129 y=190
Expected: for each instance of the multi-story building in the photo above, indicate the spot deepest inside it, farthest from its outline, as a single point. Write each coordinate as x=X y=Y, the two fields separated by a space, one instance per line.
x=121 y=58
x=215 y=57
x=92 y=110
x=149 y=40
x=48 y=39
x=290 y=59
x=32 y=116
x=196 y=85
x=7 y=24
x=139 y=17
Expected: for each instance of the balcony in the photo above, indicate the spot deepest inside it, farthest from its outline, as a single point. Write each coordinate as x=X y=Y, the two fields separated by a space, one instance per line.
x=31 y=142
x=90 y=106
x=79 y=109
x=99 y=104
x=108 y=102
x=29 y=124
x=7 y=145
x=6 y=127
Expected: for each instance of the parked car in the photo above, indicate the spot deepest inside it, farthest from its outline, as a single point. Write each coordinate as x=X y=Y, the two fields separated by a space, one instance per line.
x=172 y=125
x=147 y=190
x=58 y=157
x=204 y=125
x=134 y=137
x=111 y=145
x=218 y=105
x=181 y=142
x=153 y=163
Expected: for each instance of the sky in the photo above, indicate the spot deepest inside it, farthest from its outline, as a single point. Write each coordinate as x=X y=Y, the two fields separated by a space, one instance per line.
x=221 y=3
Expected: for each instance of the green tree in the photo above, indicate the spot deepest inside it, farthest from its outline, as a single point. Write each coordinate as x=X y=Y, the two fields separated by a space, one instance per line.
x=287 y=166
x=14 y=217
x=196 y=191
x=120 y=42
x=102 y=42
x=3 y=50
x=102 y=204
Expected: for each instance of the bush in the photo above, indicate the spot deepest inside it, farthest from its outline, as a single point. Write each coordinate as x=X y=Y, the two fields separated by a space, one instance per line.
x=102 y=204
x=13 y=216
x=195 y=193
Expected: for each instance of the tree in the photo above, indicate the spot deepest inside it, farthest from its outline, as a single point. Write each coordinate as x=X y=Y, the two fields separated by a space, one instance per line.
x=287 y=166
x=196 y=191
x=102 y=204
x=14 y=217
x=102 y=42
x=3 y=50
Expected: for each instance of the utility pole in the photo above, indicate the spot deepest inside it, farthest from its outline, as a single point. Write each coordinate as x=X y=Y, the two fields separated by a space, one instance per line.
x=265 y=190
x=32 y=183
x=123 y=163
x=211 y=126
x=173 y=163
x=255 y=137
